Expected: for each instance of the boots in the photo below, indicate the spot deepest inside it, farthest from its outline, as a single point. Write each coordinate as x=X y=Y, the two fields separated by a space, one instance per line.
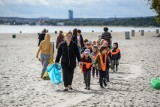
x=101 y=84
x=116 y=68
x=105 y=84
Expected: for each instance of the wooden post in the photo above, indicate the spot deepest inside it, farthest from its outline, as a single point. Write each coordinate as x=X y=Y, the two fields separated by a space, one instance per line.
x=157 y=31
x=133 y=32
x=127 y=35
x=142 y=32
x=14 y=36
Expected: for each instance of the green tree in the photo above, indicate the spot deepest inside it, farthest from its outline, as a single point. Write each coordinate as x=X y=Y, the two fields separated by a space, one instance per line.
x=155 y=5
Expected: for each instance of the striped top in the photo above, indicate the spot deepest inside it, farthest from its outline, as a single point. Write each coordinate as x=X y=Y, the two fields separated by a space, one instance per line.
x=107 y=36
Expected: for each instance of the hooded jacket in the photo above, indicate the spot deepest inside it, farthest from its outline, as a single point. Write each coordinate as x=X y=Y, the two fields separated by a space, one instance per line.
x=46 y=46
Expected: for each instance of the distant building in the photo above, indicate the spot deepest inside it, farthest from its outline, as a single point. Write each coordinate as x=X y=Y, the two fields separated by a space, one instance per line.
x=70 y=14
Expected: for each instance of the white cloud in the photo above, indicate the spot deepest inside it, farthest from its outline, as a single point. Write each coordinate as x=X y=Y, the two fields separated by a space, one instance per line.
x=79 y=2
x=30 y=2
x=81 y=8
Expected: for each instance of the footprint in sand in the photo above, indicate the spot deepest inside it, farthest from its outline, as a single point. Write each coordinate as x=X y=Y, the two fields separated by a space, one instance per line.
x=134 y=72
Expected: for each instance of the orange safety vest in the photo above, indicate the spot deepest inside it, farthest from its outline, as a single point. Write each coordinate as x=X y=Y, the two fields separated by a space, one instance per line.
x=103 y=64
x=88 y=65
x=117 y=51
x=94 y=57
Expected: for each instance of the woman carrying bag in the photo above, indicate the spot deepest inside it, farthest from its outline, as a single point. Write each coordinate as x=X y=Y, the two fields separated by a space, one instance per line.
x=68 y=50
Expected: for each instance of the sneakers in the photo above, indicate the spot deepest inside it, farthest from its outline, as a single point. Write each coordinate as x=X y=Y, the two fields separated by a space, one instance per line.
x=116 y=69
x=87 y=88
x=65 y=90
x=70 y=87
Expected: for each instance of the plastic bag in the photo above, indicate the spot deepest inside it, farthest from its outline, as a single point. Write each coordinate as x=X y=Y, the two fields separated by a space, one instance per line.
x=155 y=82
x=54 y=72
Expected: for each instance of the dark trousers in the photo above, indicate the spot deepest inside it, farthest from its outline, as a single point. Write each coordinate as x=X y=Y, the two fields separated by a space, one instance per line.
x=107 y=74
x=87 y=78
x=68 y=73
x=102 y=77
x=94 y=70
x=115 y=63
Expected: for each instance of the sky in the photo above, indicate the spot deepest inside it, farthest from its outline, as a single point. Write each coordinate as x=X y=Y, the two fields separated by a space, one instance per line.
x=81 y=8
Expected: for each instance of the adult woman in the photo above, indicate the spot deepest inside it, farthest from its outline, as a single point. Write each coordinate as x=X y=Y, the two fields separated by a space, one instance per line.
x=46 y=50
x=60 y=38
x=79 y=40
x=68 y=50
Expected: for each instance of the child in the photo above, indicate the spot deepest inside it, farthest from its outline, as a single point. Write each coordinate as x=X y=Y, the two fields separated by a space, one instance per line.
x=99 y=44
x=94 y=55
x=115 y=56
x=94 y=43
x=105 y=43
x=86 y=68
x=87 y=46
x=102 y=61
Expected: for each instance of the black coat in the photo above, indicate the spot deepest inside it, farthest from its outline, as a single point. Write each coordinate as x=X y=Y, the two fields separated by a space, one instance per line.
x=41 y=38
x=74 y=38
x=116 y=56
x=68 y=54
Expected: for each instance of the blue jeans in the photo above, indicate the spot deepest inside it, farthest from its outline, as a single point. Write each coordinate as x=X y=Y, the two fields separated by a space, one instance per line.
x=45 y=60
x=80 y=49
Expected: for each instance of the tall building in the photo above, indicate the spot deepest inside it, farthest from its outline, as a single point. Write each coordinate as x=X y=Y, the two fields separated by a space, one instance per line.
x=70 y=14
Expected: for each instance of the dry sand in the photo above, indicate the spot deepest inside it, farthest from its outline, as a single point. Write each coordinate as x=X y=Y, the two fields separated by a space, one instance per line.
x=20 y=83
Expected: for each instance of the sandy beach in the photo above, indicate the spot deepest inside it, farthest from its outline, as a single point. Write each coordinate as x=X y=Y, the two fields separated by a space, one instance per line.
x=21 y=85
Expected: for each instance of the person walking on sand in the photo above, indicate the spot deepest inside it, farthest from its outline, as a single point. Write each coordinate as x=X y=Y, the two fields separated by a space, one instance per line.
x=86 y=68
x=42 y=36
x=79 y=40
x=107 y=36
x=60 y=38
x=94 y=56
x=102 y=62
x=115 y=56
x=46 y=52
x=68 y=50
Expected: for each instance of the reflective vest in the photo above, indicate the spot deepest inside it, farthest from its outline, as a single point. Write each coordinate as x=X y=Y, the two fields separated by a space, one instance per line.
x=103 y=64
x=94 y=57
x=88 y=65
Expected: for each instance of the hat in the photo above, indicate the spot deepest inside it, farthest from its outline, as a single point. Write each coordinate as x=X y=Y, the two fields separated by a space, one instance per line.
x=87 y=51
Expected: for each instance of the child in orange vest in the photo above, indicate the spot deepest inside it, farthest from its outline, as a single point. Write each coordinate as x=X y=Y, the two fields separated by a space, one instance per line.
x=94 y=55
x=86 y=67
x=115 y=56
x=102 y=62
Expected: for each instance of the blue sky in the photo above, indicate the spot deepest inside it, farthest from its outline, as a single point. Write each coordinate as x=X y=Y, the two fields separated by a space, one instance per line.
x=81 y=8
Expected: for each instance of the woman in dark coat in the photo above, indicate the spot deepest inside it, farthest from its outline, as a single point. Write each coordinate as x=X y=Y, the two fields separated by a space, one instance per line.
x=60 y=38
x=68 y=50
x=79 y=40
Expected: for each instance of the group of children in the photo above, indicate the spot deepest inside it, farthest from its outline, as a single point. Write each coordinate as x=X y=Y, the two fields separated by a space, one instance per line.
x=97 y=57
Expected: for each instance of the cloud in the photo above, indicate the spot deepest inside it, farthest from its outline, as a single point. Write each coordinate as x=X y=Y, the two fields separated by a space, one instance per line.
x=30 y=2
x=81 y=8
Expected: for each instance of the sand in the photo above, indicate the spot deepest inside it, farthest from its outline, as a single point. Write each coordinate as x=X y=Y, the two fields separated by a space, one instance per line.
x=20 y=83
